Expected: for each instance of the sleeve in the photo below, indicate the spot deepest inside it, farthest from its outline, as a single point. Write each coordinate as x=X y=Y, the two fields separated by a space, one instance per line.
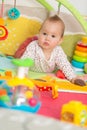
x=64 y=65
x=29 y=53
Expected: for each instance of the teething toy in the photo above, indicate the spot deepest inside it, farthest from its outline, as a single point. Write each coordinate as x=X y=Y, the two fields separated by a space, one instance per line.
x=14 y=13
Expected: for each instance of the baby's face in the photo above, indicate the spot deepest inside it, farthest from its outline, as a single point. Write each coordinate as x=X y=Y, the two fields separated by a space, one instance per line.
x=50 y=35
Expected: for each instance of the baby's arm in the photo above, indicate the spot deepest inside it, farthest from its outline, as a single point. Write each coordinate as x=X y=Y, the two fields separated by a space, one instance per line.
x=78 y=81
x=65 y=66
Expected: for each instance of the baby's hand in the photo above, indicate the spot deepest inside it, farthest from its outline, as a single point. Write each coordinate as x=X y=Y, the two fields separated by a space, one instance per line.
x=80 y=82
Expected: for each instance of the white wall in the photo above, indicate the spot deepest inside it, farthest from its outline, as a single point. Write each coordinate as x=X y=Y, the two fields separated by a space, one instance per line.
x=81 y=5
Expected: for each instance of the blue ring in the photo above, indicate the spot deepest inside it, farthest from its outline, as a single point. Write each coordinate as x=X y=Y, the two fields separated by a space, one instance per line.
x=78 y=64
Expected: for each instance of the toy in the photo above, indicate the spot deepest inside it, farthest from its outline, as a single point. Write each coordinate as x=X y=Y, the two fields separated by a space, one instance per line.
x=23 y=93
x=47 y=83
x=75 y=12
x=3 y=32
x=14 y=13
x=22 y=63
x=70 y=7
x=80 y=54
x=1 y=13
x=85 y=68
x=74 y=112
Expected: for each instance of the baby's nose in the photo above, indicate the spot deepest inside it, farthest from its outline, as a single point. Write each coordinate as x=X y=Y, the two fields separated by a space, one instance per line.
x=47 y=37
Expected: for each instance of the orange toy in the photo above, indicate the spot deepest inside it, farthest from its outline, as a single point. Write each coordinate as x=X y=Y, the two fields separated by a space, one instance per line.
x=46 y=84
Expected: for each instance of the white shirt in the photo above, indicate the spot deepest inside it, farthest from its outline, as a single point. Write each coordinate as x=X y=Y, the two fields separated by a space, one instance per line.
x=57 y=60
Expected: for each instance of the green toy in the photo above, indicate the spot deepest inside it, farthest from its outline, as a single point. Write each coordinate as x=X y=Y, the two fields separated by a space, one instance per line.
x=22 y=65
x=70 y=7
x=85 y=68
x=46 y=5
x=75 y=12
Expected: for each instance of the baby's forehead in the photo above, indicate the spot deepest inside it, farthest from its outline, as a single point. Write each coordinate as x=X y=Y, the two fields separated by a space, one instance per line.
x=52 y=24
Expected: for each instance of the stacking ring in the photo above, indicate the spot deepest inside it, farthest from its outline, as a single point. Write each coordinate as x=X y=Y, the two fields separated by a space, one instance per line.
x=82 y=54
x=82 y=44
x=80 y=59
x=3 y=33
x=77 y=64
x=83 y=49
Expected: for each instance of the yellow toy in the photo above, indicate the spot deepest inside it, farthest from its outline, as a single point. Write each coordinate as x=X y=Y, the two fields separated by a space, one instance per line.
x=74 y=112
x=24 y=95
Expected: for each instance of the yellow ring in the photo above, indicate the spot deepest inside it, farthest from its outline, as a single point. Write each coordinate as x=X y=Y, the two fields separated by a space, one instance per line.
x=81 y=49
x=82 y=54
x=2 y=32
x=84 y=40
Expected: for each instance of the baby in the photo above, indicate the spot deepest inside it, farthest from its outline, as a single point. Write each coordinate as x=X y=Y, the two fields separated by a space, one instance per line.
x=47 y=52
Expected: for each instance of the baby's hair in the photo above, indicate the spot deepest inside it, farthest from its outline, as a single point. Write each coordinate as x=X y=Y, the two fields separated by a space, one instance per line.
x=56 y=18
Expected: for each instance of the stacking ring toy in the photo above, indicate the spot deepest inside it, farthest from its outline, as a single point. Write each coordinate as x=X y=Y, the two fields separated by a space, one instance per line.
x=84 y=40
x=3 y=33
x=83 y=49
x=80 y=59
x=77 y=64
x=13 y=13
x=81 y=44
x=82 y=54
x=78 y=69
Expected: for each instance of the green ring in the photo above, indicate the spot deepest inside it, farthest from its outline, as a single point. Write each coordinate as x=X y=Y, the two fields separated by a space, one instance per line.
x=80 y=59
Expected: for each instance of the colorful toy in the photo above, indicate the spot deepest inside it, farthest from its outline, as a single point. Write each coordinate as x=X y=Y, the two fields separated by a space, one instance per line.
x=1 y=13
x=74 y=112
x=14 y=13
x=80 y=54
x=47 y=83
x=22 y=63
x=3 y=32
x=70 y=7
x=24 y=95
x=75 y=13
x=85 y=68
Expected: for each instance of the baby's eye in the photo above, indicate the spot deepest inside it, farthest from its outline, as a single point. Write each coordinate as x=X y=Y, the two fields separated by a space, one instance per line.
x=44 y=33
x=53 y=36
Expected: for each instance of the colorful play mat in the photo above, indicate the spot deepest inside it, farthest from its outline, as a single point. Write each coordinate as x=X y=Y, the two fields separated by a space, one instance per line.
x=14 y=31
x=63 y=85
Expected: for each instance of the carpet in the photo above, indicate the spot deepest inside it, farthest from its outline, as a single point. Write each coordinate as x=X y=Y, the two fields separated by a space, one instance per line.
x=52 y=107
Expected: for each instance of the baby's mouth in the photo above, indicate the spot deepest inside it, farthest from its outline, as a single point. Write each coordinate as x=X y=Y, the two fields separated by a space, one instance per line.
x=46 y=43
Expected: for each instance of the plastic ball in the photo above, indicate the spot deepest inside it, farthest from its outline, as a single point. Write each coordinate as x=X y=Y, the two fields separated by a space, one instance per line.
x=32 y=102
x=22 y=95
